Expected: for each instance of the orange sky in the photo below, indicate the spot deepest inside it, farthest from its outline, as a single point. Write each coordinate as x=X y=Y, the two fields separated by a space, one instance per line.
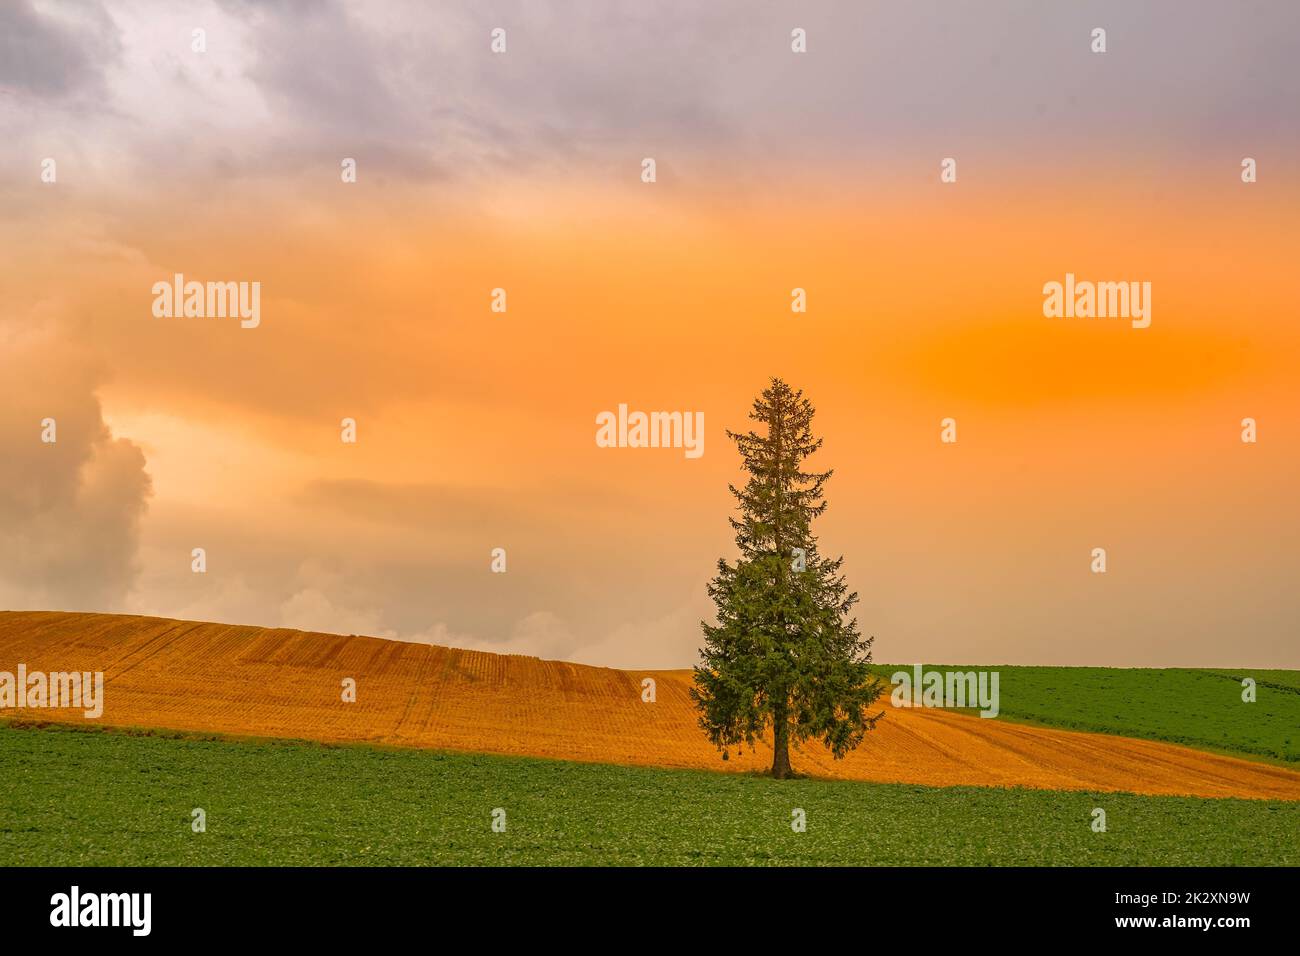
x=476 y=430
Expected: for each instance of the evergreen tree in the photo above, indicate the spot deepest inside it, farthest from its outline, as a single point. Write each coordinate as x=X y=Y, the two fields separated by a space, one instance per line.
x=784 y=651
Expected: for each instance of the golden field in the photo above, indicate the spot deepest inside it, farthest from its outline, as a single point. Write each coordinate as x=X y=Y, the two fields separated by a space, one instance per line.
x=271 y=682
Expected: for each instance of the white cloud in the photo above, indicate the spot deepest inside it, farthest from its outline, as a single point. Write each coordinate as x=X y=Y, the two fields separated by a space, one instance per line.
x=70 y=510
x=312 y=610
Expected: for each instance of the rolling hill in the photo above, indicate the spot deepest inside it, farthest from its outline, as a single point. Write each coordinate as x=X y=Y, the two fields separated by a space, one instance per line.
x=268 y=682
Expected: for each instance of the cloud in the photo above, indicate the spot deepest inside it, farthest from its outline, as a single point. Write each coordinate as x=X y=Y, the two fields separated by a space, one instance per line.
x=229 y=600
x=670 y=641
x=667 y=642
x=69 y=511
x=413 y=91
x=312 y=610
x=539 y=634
x=53 y=56
x=417 y=89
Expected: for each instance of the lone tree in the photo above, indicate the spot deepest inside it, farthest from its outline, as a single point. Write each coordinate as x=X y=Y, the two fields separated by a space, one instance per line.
x=785 y=651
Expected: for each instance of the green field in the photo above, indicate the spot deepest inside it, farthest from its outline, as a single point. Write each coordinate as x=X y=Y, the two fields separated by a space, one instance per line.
x=82 y=797
x=1197 y=708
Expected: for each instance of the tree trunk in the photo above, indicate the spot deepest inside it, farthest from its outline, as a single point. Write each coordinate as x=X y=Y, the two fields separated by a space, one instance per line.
x=781 y=748
x=780 y=725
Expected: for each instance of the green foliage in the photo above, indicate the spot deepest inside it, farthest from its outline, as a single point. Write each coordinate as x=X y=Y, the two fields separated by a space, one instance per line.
x=785 y=652
x=1196 y=707
x=96 y=798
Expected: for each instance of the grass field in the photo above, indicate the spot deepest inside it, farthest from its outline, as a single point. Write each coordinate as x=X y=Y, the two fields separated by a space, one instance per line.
x=1197 y=708
x=93 y=797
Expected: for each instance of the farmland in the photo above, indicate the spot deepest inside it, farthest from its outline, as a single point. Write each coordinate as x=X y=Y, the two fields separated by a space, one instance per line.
x=278 y=683
x=100 y=797
x=1198 y=708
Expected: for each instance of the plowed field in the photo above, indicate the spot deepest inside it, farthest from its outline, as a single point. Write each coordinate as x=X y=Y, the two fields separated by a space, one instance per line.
x=280 y=683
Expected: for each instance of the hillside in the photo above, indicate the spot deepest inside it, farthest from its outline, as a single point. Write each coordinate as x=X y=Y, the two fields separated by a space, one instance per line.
x=1199 y=708
x=280 y=683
